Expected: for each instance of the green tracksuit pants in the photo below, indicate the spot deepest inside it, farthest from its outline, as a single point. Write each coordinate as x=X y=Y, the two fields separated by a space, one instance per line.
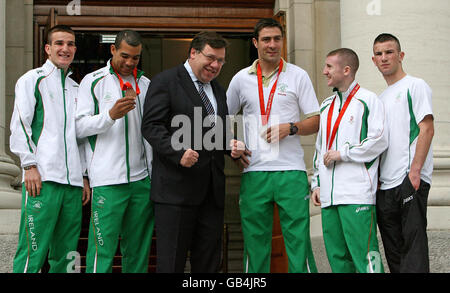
x=289 y=190
x=123 y=210
x=350 y=236
x=50 y=222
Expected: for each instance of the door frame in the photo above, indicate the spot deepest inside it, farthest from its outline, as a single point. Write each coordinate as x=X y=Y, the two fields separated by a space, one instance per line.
x=164 y=16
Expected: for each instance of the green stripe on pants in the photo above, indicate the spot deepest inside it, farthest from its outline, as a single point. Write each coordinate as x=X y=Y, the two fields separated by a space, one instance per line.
x=350 y=236
x=120 y=210
x=289 y=190
x=50 y=222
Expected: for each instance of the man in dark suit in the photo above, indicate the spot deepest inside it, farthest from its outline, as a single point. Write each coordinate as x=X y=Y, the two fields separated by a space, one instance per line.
x=184 y=121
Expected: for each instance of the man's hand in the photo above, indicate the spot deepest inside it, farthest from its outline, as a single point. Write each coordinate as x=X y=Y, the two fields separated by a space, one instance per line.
x=330 y=157
x=237 y=148
x=414 y=177
x=190 y=157
x=276 y=133
x=243 y=161
x=122 y=107
x=239 y=152
x=33 y=183
x=315 y=196
x=86 y=191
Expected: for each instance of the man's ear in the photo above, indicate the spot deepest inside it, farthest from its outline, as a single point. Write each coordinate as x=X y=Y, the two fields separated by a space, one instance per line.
x=47 y=49
x=192 y=53
x=402 y=55
x=113 y=49
x=255 y=43
x=347 y=70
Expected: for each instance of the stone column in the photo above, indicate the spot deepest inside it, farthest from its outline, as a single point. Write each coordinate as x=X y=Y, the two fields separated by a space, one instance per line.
x=422 y=28
x=9 y=198
x=313 y=29
x=300 y=41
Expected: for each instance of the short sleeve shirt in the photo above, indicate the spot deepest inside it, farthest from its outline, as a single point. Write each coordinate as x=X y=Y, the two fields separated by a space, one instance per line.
x=407 y=102
x=294 y=95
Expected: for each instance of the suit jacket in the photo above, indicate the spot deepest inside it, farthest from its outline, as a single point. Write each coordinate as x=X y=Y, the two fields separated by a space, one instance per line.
x=172 y=93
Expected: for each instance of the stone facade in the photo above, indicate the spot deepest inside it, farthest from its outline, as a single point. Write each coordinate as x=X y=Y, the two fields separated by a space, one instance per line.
x=314 y=27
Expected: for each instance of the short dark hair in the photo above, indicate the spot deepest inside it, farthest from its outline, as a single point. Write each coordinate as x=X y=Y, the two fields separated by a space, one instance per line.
x=58 y=28
x=213 y=39
x=348 y=58
x=130 y=37
x=385 y=37
x=266 y=22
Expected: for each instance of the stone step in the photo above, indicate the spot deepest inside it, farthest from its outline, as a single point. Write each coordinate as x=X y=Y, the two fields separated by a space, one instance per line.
x=439 y=246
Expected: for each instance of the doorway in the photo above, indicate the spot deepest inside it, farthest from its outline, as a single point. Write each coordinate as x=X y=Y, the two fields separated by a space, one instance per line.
x=166 y=27
x=159 y=52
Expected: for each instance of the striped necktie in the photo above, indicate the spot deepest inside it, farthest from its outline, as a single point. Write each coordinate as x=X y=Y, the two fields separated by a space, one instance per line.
x=206 y=102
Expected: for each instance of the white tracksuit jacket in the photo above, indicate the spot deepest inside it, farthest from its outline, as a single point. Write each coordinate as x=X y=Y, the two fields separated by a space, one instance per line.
x=43 y=124
x=116 y=152
x=360 y=139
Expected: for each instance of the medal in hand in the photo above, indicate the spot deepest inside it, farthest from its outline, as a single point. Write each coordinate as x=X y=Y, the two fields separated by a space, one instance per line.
x=129 y=91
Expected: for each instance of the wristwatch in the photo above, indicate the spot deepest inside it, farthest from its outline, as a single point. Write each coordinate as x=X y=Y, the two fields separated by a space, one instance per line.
x=293 y=129
x=29 y=167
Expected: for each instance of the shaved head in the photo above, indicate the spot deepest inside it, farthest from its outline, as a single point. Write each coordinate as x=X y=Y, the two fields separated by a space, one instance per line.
x=347 y=57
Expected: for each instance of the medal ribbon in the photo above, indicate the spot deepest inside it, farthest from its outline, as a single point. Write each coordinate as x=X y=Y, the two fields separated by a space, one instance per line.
x=265 y=113
x=127 y=85
x=339 y=118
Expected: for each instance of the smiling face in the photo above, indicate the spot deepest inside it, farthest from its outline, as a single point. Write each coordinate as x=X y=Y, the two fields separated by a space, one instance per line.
x=61 y=49
x=207 y=63
x=269 y=45
x=125 y=58
x=334 y=71
x=388 y=58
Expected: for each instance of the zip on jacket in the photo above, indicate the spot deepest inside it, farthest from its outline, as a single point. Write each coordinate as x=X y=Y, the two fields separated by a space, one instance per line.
x=362 y=139
x=116 y=152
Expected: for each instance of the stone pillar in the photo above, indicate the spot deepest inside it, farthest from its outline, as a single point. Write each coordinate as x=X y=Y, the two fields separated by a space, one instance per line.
x=300 y=41
x=300 y=33
x=422 y=27
x=327 y=38
x=9 y=198
x=313 y=30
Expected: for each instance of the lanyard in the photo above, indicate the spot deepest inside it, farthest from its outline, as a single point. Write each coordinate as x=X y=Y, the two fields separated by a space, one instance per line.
x=127 y=85
x=339 y=118
x=265 y=113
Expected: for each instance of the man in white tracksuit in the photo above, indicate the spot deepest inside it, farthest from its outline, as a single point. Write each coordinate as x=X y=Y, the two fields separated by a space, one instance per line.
x=43 y=137
x=349 y=142
x=109 y=114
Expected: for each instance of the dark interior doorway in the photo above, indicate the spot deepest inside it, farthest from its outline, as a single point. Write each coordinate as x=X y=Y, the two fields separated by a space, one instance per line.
x=160 y=52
